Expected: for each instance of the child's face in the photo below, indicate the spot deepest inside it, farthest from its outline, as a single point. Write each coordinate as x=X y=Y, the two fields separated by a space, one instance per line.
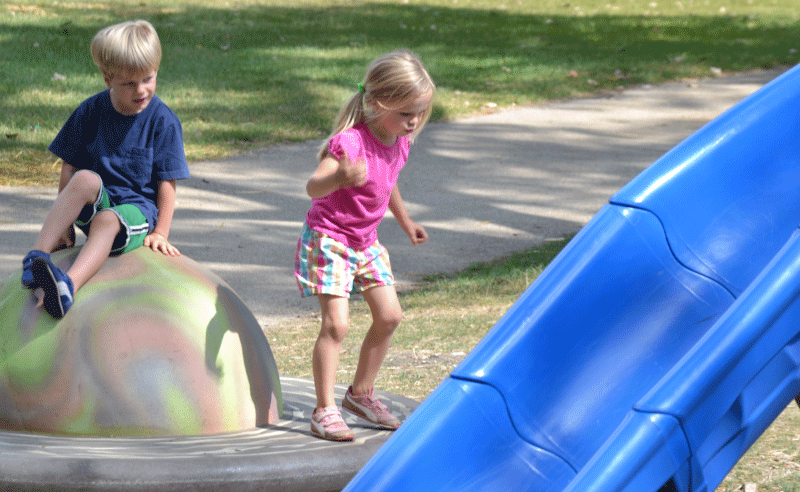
x=131 y=92
x=403 y=120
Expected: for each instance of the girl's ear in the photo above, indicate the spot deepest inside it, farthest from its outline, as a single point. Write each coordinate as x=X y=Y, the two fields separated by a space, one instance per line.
x=374 y=106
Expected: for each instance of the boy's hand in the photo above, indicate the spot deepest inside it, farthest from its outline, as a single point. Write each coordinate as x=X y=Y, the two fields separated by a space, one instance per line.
x=157 y=242
x=67 y=240
x=351 y=174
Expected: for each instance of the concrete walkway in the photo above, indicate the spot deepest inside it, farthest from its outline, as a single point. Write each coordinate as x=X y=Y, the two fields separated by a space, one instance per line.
x=483 y=187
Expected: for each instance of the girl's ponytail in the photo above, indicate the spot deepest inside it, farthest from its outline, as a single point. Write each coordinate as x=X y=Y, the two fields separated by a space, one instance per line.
x=349 y=116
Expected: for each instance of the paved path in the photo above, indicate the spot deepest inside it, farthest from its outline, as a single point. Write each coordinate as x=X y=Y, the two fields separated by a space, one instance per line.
x=483 y=187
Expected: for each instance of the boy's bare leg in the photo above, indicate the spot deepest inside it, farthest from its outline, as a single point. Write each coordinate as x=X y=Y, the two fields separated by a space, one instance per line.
x=81 y=190
x=386 y=317
x=102 y=231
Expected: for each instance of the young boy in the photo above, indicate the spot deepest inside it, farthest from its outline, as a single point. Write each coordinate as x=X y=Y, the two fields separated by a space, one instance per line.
x=122 y=150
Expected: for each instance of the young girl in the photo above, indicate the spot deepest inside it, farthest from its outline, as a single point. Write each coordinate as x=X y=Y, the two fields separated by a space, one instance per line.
x=339 y=251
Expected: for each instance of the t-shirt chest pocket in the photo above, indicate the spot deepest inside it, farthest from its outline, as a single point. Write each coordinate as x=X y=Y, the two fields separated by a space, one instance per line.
x=138 y=164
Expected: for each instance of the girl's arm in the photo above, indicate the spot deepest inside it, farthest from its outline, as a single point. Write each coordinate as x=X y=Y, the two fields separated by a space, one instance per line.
x=158 y=239
x=333 y=174
x=415 y=232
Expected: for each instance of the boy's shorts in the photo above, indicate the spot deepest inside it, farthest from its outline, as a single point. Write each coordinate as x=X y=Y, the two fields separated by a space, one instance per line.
x=326 y=266
x=134 y=224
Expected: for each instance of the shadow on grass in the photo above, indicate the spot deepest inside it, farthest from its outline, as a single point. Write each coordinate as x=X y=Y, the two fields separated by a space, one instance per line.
x=247 y=77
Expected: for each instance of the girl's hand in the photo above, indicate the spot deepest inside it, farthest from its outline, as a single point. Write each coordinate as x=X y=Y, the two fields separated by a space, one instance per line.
x=417 y=234
x=333 y=174
x=351 y=174
x=157 y=242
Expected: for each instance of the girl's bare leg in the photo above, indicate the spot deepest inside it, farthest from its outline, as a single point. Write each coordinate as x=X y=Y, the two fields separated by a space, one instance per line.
x=325 y=359
x=386 y=317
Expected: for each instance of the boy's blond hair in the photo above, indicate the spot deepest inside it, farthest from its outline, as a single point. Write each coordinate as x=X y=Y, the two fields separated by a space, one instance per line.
x=391 y=80
x=131 y=45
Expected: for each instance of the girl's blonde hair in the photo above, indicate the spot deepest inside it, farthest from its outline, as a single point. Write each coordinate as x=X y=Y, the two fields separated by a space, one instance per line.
x=131 y=45
x=391 y=80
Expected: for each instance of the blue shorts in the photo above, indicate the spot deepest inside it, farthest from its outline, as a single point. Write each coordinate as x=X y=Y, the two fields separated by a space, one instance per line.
x=323 y=265
x=134 y=224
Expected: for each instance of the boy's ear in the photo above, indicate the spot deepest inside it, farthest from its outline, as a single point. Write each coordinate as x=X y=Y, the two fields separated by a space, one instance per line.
x=107 y=78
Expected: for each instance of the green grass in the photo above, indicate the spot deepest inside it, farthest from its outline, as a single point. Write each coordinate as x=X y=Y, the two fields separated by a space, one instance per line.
x=773 y=463
x=250 y=73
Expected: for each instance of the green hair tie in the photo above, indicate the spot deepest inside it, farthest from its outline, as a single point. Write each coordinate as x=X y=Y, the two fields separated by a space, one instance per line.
x=361 y=88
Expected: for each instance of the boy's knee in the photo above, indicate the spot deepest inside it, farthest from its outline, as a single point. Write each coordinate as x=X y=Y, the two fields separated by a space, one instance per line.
x=105 y=220
x=87 y=183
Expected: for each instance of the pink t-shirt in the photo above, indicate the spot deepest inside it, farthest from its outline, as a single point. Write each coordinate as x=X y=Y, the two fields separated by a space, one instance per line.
x=351 y=215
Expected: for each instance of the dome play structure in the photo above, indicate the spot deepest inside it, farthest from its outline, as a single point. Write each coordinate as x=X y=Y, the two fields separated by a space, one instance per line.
x=159 y=378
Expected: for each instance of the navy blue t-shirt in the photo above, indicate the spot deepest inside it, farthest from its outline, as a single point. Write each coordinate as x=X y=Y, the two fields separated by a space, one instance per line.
x=131 y=153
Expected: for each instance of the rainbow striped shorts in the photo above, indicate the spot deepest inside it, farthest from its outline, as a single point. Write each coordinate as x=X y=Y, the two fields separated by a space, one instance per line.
x=326 y=266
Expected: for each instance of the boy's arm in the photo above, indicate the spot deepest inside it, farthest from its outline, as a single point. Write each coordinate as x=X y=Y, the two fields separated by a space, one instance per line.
x=67 y=171
x=415 y=232
x=158 y=240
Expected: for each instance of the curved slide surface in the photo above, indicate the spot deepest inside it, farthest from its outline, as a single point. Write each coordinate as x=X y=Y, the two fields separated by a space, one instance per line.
x=654 y=350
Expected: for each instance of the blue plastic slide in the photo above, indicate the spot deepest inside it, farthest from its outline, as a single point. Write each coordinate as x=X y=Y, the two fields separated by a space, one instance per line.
x=653 y=351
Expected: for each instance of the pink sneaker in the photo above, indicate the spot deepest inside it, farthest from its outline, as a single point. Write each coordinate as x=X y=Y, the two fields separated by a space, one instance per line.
x=370 y=408
x=328 y=424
